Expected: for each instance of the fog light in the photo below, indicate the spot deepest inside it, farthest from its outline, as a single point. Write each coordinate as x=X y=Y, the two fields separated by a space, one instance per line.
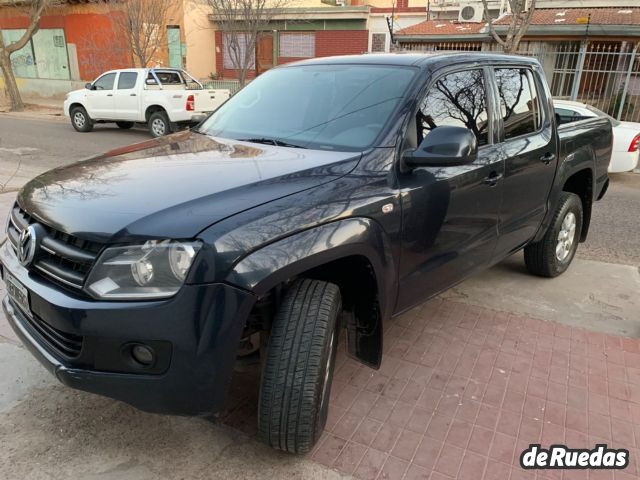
x=142 y=354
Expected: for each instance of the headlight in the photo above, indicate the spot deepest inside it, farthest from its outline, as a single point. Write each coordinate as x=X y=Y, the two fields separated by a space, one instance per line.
x=155 y=269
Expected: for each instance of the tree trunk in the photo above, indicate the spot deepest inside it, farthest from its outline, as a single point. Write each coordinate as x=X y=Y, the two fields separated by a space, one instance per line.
x=10 y=84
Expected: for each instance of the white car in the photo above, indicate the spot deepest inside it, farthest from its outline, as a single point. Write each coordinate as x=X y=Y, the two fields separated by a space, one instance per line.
x=163 y=98
x=626 y=135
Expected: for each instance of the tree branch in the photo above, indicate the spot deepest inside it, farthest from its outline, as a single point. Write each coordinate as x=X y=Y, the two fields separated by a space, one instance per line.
x=34 y=25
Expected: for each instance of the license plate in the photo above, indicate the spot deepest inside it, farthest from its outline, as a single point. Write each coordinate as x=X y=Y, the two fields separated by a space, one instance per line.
x=17 y=292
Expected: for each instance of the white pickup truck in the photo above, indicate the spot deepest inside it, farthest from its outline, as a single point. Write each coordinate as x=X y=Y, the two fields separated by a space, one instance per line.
x=163 y=98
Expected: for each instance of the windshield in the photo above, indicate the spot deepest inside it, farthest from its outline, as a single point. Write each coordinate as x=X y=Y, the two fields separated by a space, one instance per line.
x=600 y=113
x=328 y=107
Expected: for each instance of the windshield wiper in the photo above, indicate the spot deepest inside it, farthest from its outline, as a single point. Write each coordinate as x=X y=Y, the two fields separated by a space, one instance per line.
x=271 y=141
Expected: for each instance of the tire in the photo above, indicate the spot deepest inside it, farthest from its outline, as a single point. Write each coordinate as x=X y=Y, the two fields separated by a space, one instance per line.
x=300 y=359
x=552 y=255
x=125 y=125
x=80 y=120
x=159 y=124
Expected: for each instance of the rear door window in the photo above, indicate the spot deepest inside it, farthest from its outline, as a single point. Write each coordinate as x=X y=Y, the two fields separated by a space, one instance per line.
x=457 y=99
x=127 y=80
x=519 y=102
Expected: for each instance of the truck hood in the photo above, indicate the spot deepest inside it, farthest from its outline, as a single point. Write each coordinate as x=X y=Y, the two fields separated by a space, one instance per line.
x=173 y=187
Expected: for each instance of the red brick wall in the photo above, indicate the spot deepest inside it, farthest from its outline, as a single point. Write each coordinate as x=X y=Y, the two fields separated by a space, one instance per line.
x=328 y=43
x=341 y=42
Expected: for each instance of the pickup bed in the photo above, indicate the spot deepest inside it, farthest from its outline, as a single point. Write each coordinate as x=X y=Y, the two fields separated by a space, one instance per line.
x=329 y=193
x=162 y=98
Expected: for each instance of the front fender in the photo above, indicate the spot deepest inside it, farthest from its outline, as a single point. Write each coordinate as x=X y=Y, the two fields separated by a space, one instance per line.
x=280 y=261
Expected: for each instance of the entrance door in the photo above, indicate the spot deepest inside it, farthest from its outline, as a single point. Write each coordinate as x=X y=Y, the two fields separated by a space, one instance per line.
x=264 y=52
x=175 y=47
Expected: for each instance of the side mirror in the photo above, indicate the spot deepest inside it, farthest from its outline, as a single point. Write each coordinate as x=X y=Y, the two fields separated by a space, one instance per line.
x=444 y=147
x=151 y=81
x=88 y=86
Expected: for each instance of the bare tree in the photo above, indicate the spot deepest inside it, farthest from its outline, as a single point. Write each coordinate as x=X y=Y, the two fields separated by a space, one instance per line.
x=519 y=21
x=241 y=23
x=143 y=24
x=33 y=9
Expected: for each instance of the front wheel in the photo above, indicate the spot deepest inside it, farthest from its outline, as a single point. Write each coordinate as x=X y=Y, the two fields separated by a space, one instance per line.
x=297 y=373
x=552 y=255
x=80 y=120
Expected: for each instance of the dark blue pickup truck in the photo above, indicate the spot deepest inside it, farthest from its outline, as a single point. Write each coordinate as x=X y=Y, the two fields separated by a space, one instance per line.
x=330 y=193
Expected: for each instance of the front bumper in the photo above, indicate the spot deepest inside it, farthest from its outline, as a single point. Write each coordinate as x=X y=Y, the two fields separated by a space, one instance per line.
x=198 y=331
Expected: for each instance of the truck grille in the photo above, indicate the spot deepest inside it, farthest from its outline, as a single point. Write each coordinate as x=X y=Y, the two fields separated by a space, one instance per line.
x=60 y=257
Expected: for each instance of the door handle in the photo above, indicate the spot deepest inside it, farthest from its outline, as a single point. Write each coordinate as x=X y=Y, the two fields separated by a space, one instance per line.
x=109 y=94
x=492 y=179
x=547 y=158
x=132 y=95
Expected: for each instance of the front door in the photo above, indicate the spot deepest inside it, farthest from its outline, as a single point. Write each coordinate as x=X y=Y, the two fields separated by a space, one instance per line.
x=100 y=99
x=450 y=214
x=264 y=52
x=529 y=147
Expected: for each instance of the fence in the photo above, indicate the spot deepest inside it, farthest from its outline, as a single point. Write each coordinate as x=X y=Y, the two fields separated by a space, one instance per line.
x=603 y=74
x=232 y=85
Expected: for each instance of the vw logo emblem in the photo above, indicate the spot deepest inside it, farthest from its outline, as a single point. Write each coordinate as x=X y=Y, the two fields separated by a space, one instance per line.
x=27 y=245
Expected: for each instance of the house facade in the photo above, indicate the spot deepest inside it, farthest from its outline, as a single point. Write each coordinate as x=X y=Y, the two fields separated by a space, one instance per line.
x=79 y=39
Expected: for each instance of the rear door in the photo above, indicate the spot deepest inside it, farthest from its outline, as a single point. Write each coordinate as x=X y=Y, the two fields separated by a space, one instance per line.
x=100 y=98
x=450 y=214
x=529 y=146
x=127 y=102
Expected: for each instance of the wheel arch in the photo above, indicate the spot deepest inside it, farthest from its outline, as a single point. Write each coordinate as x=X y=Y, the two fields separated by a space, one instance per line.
x=151 y=109
x=575 y=175
x=352 y=253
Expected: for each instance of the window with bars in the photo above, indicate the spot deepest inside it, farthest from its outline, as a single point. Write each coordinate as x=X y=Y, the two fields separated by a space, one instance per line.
x=297 y=45
x=235 y=46
x=378 y=42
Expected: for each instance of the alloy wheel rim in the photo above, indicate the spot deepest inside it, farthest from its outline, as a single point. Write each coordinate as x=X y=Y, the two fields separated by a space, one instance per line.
x=79 y=119
x=158 y=127
x=566 y=237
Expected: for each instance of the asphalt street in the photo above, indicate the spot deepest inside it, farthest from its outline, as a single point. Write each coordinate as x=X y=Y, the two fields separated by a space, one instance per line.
x=29 y=146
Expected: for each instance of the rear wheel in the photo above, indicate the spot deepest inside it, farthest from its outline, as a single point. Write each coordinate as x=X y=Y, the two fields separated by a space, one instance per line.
x=300 y=359
x=552 y=255
x=159 y=124
x=80 y=120
x=124 y=125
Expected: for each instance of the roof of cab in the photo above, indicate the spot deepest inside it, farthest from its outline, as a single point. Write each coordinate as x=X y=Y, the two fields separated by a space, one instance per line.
x=417 y=59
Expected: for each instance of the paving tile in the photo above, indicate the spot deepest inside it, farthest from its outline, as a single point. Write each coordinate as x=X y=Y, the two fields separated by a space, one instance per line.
x=366 y=431
x=449 y=460
x=393 y=469
x=406 y=445
x=349 y=457
x=386 y=438
x=370 y=464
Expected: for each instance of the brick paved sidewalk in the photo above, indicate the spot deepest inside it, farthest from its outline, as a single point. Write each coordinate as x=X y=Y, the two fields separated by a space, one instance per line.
x=462 y=391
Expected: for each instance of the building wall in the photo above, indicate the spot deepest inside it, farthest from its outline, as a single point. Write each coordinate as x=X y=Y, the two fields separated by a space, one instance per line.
x=328 y=37
x=341 y=42
x=89 y=37
x=200 y=40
